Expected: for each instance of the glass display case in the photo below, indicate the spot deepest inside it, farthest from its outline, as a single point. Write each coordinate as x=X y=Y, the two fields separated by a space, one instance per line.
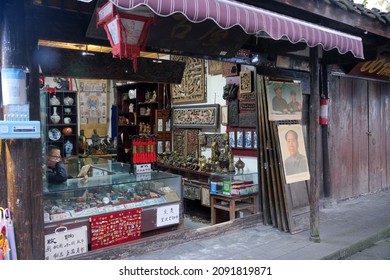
x=109 y=187
x=234 y=184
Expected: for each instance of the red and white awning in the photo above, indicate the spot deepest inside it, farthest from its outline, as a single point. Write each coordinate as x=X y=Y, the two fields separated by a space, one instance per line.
x=252 y=20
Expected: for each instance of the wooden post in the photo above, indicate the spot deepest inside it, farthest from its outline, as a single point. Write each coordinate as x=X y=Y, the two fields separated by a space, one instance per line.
x=314 y=145
x=23 y=157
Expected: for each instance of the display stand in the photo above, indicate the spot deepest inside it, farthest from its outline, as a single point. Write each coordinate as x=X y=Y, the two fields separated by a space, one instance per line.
x=232 y=204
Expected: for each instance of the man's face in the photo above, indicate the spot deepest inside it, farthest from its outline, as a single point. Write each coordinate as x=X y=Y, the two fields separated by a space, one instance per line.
x=292 y=144
x=278 y=92
x=53 y=158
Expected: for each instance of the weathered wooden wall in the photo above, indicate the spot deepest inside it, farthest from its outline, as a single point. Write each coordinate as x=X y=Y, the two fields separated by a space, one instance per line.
x=359 y=132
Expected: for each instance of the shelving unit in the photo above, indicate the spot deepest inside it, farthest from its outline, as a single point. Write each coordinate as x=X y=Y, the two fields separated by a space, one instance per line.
x=62 y=120
x=137 y=105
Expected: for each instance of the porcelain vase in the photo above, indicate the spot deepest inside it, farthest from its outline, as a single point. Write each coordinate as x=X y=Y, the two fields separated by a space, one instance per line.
x=68 y=100
x=55 y=118
x=68 y=147
x=54 y=101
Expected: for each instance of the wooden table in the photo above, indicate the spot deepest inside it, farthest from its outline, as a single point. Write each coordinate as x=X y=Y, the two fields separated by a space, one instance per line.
x=232 y=204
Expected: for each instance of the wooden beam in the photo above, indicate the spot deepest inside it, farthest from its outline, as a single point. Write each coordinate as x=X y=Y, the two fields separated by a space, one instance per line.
x=69 y=63
x=338 y=18
x=314 y=147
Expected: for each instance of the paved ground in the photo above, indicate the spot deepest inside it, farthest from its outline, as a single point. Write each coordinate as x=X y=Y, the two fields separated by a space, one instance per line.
x=379 y=251
x=346 y=229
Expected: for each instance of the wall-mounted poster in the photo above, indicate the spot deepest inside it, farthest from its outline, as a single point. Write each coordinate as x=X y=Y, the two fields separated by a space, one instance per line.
x=93 y=106
x=284 y=100
x=292 y=146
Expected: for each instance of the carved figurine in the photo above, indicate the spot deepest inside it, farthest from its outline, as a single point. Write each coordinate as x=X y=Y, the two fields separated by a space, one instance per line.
x=95 y=140
x=202 y=163
x=154 y=97
x=214 y=151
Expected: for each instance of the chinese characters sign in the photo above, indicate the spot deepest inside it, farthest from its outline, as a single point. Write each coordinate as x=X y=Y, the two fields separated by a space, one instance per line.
x=168 y=215
x=66 y=243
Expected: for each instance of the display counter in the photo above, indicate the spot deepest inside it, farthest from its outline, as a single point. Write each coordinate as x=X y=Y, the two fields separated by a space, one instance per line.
x=109 y=188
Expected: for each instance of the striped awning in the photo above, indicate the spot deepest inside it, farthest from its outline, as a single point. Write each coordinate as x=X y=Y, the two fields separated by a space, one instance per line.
x=253 y=20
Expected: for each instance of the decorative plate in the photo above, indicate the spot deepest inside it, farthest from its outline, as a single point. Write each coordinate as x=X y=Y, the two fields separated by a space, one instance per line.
x=54 y=134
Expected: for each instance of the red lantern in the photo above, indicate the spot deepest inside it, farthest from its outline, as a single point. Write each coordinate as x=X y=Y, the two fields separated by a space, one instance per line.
x=126 y=32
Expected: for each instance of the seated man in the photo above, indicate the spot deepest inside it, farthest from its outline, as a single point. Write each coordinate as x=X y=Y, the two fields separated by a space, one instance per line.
x=56 y=171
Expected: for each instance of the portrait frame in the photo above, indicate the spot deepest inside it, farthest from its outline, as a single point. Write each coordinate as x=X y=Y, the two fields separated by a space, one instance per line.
x=285 y=101
x=299 y=169
x=196 y=116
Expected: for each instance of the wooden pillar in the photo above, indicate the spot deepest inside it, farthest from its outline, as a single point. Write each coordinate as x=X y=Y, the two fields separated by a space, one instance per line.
x=23 y=157
x=314 y=146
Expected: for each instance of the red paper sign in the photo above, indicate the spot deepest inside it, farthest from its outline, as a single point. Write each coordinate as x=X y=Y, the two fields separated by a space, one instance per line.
x=115 y=228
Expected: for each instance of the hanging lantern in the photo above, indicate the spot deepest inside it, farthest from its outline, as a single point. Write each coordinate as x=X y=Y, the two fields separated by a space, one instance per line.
x=126 y=32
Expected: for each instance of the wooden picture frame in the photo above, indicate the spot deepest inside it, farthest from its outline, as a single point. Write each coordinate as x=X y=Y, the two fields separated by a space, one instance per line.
x=214 y=67
x=224 y=115
x=284 y=100
x=199 y=116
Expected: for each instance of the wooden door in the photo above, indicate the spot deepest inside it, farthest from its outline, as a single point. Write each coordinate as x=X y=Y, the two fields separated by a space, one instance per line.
x=359 y=128
x=378 y=101
x=348 y=142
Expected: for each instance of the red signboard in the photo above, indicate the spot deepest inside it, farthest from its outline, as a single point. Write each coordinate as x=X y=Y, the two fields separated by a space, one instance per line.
x=115 y=228
x=376 y=69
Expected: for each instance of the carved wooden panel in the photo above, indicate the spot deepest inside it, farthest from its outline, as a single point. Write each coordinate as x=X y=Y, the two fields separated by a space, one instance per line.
x=192 y=88
x=214 y=137
x=185 y=141
x=233 y=113
x=229 y=69
x=247 y=120
x=196 y=116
